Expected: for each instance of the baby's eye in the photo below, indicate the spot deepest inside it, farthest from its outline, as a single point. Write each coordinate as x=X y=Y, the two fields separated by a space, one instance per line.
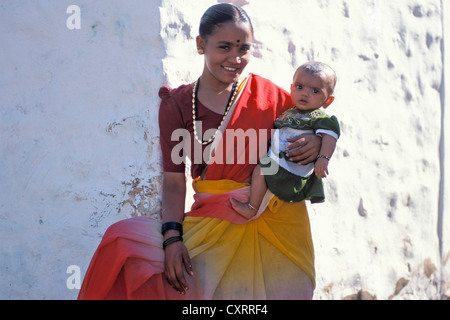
x=299 y=86
x=315 y=91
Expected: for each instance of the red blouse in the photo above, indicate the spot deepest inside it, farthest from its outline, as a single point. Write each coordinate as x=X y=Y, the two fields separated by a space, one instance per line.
x=176 y=113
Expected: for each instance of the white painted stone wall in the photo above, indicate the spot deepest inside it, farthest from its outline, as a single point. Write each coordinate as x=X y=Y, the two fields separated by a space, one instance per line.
x=79 y=135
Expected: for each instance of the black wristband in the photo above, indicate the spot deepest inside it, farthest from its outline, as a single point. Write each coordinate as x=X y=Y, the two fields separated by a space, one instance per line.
x=171 y=240
x=172 y=226
x=323 y=156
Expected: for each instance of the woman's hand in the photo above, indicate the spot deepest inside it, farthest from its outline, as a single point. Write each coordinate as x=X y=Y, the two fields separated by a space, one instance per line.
x=175 y=263
x=310 y=147
x=176 y=259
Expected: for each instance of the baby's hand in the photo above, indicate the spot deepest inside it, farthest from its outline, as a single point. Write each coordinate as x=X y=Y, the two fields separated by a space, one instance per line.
x=321 y=168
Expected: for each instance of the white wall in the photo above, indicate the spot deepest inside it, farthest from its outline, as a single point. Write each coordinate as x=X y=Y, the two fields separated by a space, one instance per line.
x=79 y=134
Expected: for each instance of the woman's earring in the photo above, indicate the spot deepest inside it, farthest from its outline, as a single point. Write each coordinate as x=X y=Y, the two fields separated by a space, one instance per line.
x=200 y=51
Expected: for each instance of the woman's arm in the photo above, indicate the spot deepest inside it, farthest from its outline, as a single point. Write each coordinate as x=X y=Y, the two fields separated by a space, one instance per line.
x=310 y=147
x=176 y=254
x=173 y=196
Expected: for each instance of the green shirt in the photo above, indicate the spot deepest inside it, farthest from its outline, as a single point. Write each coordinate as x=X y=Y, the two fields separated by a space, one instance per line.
x=316 y=120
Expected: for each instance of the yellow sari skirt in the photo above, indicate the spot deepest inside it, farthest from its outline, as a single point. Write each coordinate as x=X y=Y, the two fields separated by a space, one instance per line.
x=270 y=257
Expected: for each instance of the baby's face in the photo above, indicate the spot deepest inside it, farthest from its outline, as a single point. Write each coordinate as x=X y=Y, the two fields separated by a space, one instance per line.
x=309 y=91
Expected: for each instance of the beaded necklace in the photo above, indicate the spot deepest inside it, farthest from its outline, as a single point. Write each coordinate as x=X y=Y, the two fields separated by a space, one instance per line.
x=194 y=111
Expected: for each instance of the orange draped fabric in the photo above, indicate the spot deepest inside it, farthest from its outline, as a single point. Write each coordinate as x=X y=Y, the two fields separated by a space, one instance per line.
x=268 y=257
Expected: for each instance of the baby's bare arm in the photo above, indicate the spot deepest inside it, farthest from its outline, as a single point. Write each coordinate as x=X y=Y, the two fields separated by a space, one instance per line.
x=321 y=168
x=327 y=150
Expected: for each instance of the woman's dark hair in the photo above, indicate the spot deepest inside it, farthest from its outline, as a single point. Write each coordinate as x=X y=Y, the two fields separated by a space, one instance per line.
x=221 y=13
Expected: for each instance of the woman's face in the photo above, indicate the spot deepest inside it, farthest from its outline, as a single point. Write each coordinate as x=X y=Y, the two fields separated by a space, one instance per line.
x=227 y=51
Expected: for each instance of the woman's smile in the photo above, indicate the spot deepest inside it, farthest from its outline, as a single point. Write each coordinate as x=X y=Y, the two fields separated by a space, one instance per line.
x=233 y=71
x=230 y=69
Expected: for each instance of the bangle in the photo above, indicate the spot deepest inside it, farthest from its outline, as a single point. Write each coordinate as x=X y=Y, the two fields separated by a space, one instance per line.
x=172 y=226
x=252 y=207
x=171 y=240
x=322 y=156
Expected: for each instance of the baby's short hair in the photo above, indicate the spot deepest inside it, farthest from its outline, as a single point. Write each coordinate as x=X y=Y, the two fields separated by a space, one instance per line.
x=316 y=67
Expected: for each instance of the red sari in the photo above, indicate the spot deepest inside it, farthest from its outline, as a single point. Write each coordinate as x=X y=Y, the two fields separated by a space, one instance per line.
x=268 y=257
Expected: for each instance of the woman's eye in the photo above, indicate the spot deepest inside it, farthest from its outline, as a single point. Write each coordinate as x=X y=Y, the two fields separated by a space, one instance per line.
x=225 y=48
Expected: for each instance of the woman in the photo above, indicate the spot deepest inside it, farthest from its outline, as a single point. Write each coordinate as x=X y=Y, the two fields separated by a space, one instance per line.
x=212 y=252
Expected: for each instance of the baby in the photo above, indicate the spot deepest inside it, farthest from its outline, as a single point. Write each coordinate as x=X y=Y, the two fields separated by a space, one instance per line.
x=312 y=88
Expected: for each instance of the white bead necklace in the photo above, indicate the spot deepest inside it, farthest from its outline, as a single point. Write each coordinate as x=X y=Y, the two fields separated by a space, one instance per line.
x=194 y=111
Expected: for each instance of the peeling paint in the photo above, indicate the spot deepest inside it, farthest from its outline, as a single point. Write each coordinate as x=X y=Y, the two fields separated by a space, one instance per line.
x=142 y=196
